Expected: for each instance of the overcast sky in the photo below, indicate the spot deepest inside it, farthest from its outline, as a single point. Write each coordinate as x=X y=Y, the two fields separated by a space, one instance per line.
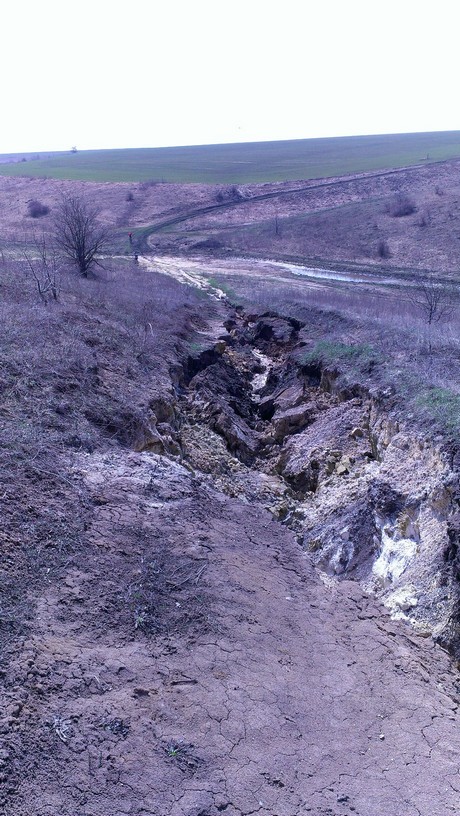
x=101 y=74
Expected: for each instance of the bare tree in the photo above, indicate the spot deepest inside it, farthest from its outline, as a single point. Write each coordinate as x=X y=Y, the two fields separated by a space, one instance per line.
x=78 y=235
x=435 y=301
x=43 y=265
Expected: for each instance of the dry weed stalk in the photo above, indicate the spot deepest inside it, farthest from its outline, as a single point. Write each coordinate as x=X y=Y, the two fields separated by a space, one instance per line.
x=44 y=268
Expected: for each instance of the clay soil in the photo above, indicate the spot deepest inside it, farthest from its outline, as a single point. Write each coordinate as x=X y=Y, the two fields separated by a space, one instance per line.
x=169 y=648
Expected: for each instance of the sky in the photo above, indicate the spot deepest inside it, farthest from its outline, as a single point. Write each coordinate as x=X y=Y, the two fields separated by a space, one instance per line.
x=150 y=73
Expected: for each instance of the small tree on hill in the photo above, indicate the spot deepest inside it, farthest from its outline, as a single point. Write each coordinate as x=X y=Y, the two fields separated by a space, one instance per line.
x=434 y=301
x=77 y=234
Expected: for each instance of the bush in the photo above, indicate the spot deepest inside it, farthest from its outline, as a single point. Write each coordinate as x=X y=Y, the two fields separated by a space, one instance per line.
x=383 y=250
x=36 y=209
x=229 y=194
x=129 y=197
x=425 y=218
x=400 y=206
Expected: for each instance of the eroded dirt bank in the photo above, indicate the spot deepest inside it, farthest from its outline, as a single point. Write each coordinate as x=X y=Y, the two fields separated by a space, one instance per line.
x=192 y=660
x=368 y=496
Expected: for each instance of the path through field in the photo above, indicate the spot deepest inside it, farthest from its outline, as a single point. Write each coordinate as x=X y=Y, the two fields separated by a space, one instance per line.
x=197 y=271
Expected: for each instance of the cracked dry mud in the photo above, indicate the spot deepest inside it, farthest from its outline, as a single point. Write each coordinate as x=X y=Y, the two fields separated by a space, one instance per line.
x=191 y=662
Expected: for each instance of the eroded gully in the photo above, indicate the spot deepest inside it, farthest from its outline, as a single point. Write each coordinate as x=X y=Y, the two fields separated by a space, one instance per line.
x=367 y=498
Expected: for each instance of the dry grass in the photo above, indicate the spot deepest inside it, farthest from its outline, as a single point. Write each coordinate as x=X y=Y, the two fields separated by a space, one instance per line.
x=75 y=374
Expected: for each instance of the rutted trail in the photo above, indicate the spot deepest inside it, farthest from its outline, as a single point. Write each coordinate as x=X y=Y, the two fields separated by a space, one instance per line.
x=183 y=271
x=195 y=271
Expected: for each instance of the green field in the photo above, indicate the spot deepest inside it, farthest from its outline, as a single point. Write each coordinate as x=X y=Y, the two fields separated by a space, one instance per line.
x=253 y=162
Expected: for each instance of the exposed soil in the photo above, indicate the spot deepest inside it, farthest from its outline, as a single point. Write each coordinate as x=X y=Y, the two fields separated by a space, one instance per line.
x=186 y=658
x=246 y=687
x=230 y=577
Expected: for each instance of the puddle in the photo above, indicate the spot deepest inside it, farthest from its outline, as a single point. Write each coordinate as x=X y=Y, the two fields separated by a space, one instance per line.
x=182 y=271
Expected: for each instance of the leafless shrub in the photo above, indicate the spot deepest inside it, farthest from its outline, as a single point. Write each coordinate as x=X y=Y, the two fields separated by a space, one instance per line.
x=401 y=205
x=232 y=193
x=433 y=300
x=145 y=185
x=44 y=267
x=425 y=218
x=36 y=209
x=383 y=250
x=130 y=196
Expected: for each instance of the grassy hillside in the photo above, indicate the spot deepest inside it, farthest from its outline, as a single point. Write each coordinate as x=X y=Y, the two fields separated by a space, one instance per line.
x=242 y=163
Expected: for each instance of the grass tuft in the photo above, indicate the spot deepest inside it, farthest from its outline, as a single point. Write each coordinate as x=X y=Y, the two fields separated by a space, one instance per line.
x=327 y=351
x=442 y=406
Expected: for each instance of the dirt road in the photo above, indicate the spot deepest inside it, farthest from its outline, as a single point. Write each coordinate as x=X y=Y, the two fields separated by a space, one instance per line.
x=195 y=271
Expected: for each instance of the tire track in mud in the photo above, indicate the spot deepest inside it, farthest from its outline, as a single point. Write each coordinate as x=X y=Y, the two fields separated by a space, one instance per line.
x=183 y=271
